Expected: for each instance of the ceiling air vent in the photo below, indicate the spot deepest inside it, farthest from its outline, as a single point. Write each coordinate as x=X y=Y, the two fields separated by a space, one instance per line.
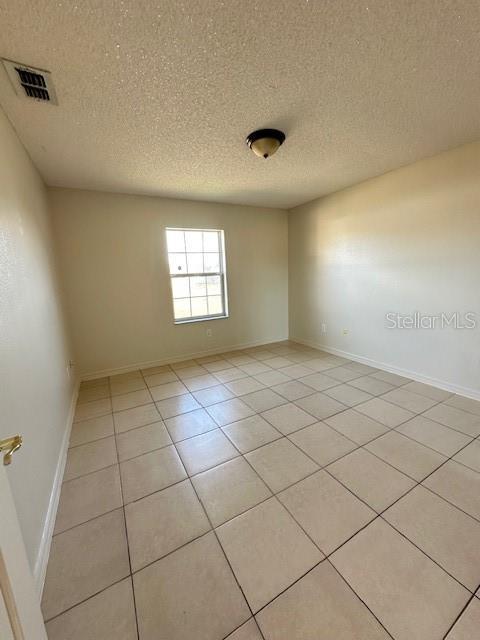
x=29 y=82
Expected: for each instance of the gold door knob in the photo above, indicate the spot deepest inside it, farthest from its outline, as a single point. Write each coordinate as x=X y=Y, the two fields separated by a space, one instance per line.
x=9 y=446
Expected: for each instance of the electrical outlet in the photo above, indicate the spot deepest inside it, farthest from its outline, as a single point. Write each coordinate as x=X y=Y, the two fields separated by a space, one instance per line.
x=345 y=332
x=209 y=333
x=324 y=327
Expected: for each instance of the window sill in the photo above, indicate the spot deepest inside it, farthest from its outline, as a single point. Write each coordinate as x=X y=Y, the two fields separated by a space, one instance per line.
x=207 y=319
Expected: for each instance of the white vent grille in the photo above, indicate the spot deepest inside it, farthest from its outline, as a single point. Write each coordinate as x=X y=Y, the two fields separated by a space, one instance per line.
x=31 y=83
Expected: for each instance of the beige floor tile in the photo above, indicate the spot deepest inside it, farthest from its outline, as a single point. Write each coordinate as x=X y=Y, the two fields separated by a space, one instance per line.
x=248 y=631
x=137 y=417
x=94 y=393
x=267 y=551
x=199 y=595
x=320 y=364
x=110 y=615
x=319 y=381
x=151 y=472
x=254 y=368
x=229 y=411
x=466 y=404
x=132 y=399
x=168 y=390
x=162 y=368
x=191 y=372
x=434 y=435
x=427 y=390
x=127 y=386
x=177 y=405
x=90 y=430
x=470 y=456
x=293 y=390
x=371 y=385
x=213 y=395
x=237 y=360
x=230 y=374
x=322 y=443
x=385 y=412
x=411 y=401
x=182 y=364
x=92 y=409
x=443 y=532
x=371 y=479
x=278 y=362
x=288 y=418
x=217 y=365
x=364 y=369
x=244 y=385
x=136 y=442
x=467 y=626
x=263 y=400
x=269 y=378
x=391 y=378
x=128 y=375
x=458 y=419
x=408 y=593
x=201 y=382
x=325 y=510
x=343 y=374
x=356 y=426
x=280 y=464
x=251 y=433
x=90 y=457
x=229 y=489
x=295 y=371
x=320 y=405
x=88 y=497
x=83 y=561
x=95 y=382
x=320 y=606
x=350 y=396
x=190 y=424
x=206 y=451
x=406 y=455
x=459 y=485
x=163 y=522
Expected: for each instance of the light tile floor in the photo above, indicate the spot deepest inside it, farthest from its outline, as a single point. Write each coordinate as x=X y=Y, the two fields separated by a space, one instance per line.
x=276 y=493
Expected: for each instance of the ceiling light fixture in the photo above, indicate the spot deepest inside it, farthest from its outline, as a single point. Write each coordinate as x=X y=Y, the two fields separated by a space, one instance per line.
x=265 y=142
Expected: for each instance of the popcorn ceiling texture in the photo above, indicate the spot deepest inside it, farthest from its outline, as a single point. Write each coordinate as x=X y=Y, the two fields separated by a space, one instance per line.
x=157 y=97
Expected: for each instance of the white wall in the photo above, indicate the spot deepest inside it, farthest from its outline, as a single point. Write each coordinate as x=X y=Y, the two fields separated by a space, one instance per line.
x=35 y=390
x=113 y=261
x=406 y=241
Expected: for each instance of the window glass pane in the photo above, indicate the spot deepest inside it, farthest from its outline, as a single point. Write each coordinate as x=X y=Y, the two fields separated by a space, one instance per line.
x=178 y=262
x=195 y=262
x=180 y=288
x=199 y=307
x=181 y=308
x=213 y=285
x=212 y=262
x=198 y=286
x=210 y=240
x=175 y=241
x=193 y=240
x=215 y=304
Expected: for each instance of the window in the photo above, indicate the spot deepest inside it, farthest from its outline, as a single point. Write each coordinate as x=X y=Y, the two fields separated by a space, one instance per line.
x=196 y=259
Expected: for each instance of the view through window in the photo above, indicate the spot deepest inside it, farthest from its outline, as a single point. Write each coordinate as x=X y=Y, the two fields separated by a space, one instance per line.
x=196 y=259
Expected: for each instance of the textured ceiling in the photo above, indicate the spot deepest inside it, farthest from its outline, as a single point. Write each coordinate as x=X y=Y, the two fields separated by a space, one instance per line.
x=157 y=97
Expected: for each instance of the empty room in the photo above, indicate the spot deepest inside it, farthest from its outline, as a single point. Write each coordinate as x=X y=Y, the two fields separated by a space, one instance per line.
x=239 y=320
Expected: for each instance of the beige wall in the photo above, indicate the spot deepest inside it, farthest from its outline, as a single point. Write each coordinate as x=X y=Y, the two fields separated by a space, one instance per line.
x=113 y=262
x=406 y=241
x=35 y=390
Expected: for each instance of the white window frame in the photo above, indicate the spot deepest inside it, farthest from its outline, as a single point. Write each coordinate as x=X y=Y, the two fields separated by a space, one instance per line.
x=222 y=273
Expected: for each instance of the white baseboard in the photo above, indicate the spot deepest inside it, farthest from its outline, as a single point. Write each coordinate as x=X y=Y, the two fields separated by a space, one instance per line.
x=414 y=375
x=40 y=568
x=169 y=360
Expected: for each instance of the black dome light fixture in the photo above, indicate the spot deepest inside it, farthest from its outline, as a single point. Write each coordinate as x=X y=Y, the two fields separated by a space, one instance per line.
x=265 y=142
